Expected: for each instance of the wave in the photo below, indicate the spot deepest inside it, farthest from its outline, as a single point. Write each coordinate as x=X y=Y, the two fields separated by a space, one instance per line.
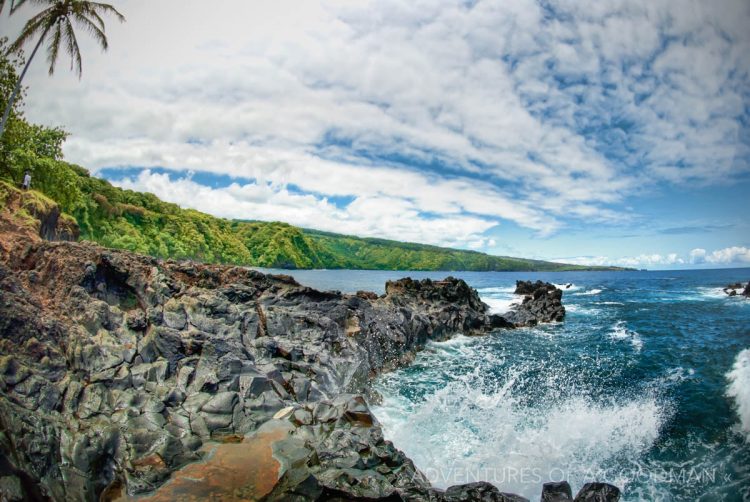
x=621 y=332
x=565 y=288
x=711 y=293
x=475 y=428
x=575 y=308
x=704 y=293
x=501 y=305
x=590 y=292
x=739 y=389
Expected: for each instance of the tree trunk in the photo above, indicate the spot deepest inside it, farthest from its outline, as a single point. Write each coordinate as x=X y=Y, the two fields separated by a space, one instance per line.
x=17 y=88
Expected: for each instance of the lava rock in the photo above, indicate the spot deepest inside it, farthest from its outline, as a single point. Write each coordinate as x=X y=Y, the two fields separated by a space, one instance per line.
x=542 y=303
x=557 y=492
x=480 y=492
x=116 y=368
x=598 y=492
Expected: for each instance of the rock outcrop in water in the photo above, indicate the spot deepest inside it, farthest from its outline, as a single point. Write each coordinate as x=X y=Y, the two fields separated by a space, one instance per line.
x=542 y=303
x=123 y=375
x=737 y=288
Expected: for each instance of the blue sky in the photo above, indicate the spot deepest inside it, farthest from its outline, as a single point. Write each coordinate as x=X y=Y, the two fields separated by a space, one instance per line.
x=590 y=131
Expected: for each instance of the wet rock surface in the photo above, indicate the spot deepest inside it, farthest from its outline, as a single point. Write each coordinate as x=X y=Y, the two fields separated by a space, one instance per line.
x=557 y=492
x=123 y=376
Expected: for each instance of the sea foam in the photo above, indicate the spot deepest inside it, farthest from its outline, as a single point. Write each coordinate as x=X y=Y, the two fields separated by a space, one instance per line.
x=500 y=305
x=739 y=389
x=590 y=292
x=621 y=332
x=482 y=426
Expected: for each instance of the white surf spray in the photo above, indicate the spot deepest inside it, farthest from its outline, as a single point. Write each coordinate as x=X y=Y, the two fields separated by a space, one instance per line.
x=479 y=426
x=568 y=287
x=739 y=389
x=620 y=331
x=501 y=305
x=590 y=292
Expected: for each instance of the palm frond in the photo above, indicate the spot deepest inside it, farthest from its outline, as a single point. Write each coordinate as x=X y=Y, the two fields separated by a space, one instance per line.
x=94 y=16
x=54 y=47
x=93 y=30
x=105 y=8
x=37 y=25
x=71 y=46
x=58 y=17
x=14 y=5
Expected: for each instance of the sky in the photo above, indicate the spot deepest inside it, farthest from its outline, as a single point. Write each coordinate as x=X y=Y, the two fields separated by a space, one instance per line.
x=584 y=131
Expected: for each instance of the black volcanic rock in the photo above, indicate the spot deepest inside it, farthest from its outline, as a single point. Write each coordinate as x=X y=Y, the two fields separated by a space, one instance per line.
x=598 y=492
x=480 y=491
x=119 y=372
x=557 y=492
x=542 y=303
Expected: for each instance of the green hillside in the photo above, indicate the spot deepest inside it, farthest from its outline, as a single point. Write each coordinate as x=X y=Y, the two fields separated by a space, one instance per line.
x=143 y=223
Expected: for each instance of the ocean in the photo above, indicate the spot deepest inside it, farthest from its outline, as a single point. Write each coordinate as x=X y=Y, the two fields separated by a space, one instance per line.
x=646 y=385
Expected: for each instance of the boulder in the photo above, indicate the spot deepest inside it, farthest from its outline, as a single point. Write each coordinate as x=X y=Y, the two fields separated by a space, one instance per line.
x=480 y=491
x=598 y=492
x=557 y=492
x=542 y=303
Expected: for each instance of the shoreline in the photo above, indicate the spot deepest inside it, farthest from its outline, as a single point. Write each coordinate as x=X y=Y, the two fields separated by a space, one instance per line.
x=119 y=369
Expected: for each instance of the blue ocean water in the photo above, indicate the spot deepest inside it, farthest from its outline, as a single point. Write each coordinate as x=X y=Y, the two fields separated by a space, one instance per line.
x=645 y=385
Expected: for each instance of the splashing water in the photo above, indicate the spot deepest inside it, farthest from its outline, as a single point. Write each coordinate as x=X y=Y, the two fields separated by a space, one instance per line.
x=627 y=390
x=590 y=292
x=645 y=385
x=482 y=425
x=621 y=332
x=739 y=389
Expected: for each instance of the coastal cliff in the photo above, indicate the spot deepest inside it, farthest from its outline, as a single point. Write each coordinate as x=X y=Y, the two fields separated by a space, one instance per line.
x=124 y=376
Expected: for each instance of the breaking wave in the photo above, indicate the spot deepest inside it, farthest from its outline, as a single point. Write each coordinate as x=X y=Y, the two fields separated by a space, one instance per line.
x=739 y=389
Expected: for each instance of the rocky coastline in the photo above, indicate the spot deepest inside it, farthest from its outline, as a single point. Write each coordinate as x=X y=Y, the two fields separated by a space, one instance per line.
x=124 y=377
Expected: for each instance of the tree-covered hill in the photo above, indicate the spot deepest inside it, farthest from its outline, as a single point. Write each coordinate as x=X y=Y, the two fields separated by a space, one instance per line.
x=143 y=223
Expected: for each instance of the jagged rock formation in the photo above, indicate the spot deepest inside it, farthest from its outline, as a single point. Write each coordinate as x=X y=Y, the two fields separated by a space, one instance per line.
x=542 y=303
x=120 y=372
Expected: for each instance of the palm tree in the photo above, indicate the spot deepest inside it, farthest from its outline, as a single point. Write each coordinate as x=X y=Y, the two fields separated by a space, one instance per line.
x=57 y=22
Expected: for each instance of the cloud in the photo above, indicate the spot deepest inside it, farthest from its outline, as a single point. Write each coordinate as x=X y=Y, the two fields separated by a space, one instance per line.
x=640 y=261
x=397 y=218
x=544 y=114
x=731 y=255
x=694 y=229
x=735 y=255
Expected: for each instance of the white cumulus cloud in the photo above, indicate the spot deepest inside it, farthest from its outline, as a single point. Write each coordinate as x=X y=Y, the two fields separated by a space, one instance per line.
x=734 y=255
x=475 y=113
